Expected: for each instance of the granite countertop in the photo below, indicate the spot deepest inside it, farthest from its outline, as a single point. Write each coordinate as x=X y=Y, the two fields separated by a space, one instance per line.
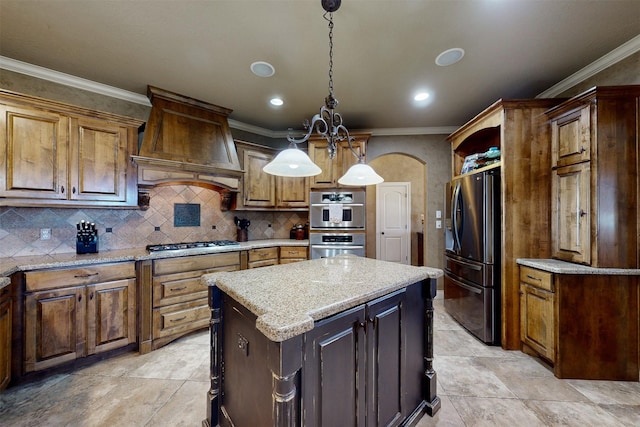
x=4 y=282
x=563 y=267
x=288 y=298
x=9 y=266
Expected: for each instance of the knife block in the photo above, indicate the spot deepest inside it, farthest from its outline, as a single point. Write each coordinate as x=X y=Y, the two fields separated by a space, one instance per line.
x=87 y=246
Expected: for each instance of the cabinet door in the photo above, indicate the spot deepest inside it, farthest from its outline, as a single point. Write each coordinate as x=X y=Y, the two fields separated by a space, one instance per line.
x=332 y=170
x=346 y=158
x=5 y=342
x=320 y=156
x=33 y=154
x=333 y=372
x=111 y=315
x=537 y=320
x=571 y=138
x=98 y=161
x=259 y=187
x=571 y=216
x=54 y=327
x=385 y=360
x=292 y=192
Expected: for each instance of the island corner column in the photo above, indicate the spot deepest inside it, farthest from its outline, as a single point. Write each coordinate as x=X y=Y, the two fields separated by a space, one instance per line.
x=430 y=378
x=214 y=394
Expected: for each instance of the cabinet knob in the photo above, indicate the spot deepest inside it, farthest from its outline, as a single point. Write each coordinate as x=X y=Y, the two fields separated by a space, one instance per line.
x=582 y=150
x=73 y=190
x=582 y=212
x=62 y=189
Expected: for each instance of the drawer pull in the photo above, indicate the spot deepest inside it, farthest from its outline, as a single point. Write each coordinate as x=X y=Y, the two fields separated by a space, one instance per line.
x=178 y=319
x=534 y=278
x=181 y=288
x=81 y=276
x=91 y=296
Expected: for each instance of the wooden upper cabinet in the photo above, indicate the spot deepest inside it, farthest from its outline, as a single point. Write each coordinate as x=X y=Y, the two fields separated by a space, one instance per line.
x=264 y=191
x=259 y=187
x=571 y=138
x=33 y=153
x=333 y=169
x=292 y=192
x=99 y=160
x=595 y=218
x=54 y=154
x=571 y=213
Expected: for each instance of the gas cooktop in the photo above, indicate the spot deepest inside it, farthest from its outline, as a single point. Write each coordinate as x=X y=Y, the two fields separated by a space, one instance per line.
x=190 y=245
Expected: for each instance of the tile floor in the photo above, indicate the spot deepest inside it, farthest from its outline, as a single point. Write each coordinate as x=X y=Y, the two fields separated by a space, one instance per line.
x=478 y=385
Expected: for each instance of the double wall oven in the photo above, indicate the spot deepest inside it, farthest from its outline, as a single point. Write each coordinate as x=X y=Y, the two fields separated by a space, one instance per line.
x=337 y=223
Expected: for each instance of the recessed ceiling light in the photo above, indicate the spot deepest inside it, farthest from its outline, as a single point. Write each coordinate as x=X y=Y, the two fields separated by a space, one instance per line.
x=262 y=69
x=276 y=101
x=449 y=56
x=421 y=96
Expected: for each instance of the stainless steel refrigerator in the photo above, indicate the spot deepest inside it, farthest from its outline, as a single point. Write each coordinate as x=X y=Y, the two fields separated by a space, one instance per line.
x=472 y=253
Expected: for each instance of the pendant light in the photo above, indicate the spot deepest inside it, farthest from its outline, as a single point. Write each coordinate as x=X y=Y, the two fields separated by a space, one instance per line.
x=328 y=124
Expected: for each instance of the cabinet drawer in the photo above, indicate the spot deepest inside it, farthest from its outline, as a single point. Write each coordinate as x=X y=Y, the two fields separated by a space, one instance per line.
x=293 y=252
x=263 y=254
x=263 y=263
x=537 y=278
x=195 y=262
x=180 y=318
x=50 y=279
x=181 y=287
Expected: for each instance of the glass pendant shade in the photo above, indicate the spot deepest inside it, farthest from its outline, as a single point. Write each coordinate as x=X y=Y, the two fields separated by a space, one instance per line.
x=292 y=162
x=360 y=174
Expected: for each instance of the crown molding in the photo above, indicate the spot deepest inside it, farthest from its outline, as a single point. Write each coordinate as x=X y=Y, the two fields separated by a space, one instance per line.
x=623 y=51
x=73 y=81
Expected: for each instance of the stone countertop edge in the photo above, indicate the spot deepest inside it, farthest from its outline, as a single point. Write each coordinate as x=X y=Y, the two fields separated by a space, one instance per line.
x=287 y=299
x=563 y=267
x=9 y=266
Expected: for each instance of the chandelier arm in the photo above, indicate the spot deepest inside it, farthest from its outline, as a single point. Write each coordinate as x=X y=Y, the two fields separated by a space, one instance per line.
x=318 y=124
x=350 y=139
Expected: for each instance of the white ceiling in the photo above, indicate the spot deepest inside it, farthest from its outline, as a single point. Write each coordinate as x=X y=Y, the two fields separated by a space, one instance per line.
x=384 y=51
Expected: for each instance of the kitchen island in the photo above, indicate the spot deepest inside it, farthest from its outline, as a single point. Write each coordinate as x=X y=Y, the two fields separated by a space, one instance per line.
x=334 y=341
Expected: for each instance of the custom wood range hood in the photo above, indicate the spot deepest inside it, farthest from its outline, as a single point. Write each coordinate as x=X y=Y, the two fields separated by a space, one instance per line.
x=186 y=141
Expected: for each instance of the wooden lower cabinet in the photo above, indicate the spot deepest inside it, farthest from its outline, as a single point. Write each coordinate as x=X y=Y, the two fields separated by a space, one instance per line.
x=173 y=298
x=63 y=324
x=262 y=257
x=5 y=338
x=289 y=254
x=537 y=312
x=585 y=325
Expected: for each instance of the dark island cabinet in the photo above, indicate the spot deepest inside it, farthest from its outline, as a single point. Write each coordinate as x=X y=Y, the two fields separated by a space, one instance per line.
x=366 y=366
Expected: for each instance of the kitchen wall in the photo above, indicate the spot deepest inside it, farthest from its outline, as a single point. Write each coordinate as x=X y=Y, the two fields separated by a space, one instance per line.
x=133 y=228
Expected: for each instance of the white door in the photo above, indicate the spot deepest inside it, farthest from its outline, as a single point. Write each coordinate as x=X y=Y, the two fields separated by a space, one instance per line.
x=393 y=222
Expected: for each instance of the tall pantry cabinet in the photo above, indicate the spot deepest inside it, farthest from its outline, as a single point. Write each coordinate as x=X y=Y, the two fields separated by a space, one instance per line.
x=594 y=138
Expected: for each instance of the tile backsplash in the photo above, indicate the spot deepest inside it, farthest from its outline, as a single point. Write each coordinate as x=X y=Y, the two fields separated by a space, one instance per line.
x=20 y=227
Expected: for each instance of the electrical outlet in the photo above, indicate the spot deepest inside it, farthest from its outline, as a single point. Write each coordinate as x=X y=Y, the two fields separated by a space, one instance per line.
x=45 y=234
x=438 y=224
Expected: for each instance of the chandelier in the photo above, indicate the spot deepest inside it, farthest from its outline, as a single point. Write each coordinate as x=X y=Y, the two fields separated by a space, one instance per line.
x=328 y=124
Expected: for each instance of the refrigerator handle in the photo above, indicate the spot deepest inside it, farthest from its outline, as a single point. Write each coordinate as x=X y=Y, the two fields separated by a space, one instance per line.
x=456 y=217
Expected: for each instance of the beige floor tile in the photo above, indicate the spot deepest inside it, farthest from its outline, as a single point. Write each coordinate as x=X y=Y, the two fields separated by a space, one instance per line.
x=629 y=415
x=609 y=392
x=187 y=407
x=459 y=376
x=447 y=416
x=490 y=412
x=576 y=414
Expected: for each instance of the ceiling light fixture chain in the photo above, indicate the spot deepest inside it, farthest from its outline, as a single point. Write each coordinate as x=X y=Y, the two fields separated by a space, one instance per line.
x=328 y=124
